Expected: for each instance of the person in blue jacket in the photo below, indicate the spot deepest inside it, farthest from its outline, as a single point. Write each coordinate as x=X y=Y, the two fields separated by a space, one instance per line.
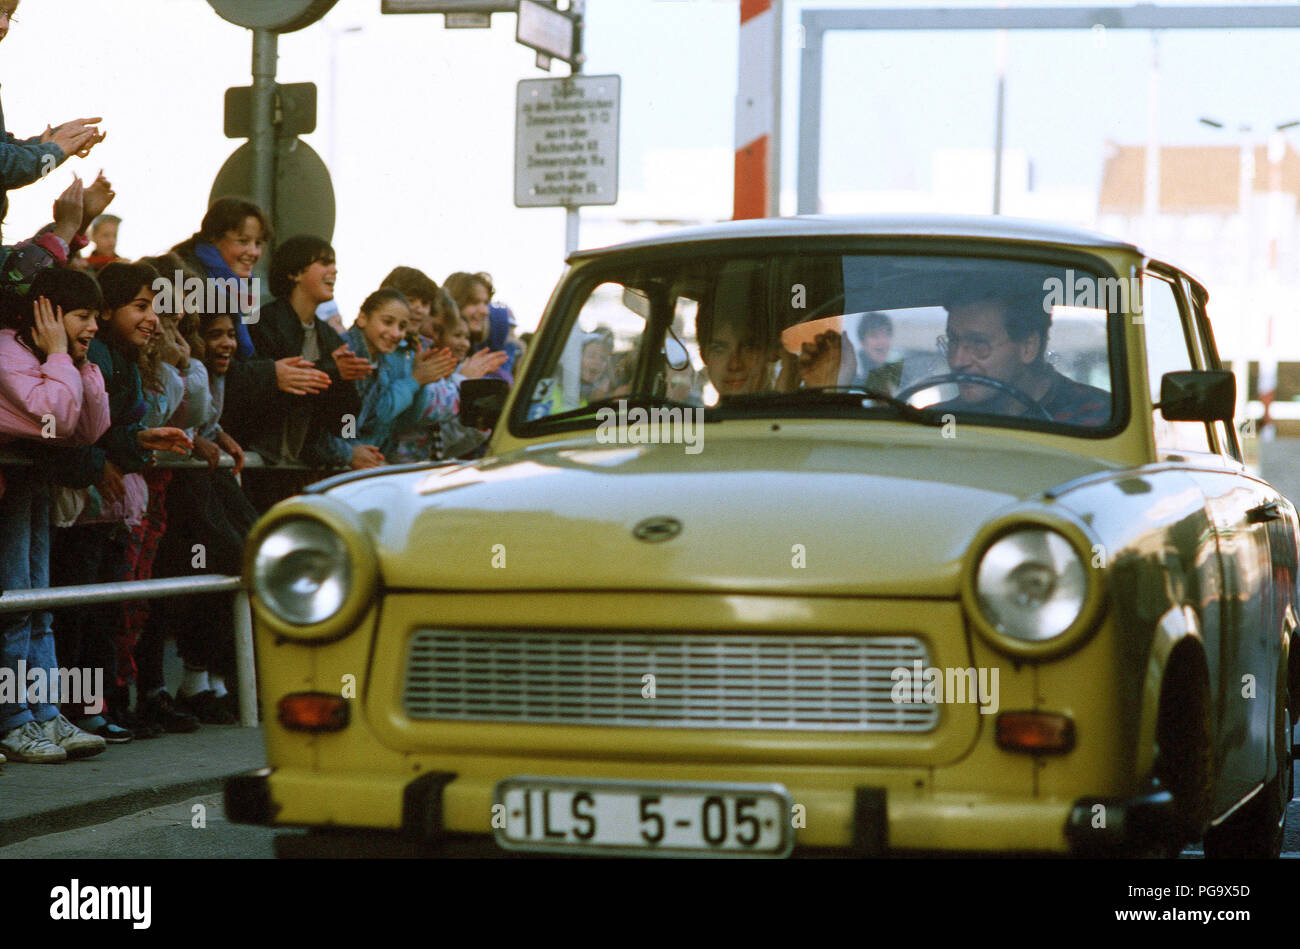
x=401 y=399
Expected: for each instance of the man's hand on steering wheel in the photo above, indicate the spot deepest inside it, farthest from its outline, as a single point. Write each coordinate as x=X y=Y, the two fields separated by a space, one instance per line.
x=974 y=379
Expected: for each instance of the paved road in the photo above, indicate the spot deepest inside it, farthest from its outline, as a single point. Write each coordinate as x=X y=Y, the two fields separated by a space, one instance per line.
x=196 y=828
x=1280 y=466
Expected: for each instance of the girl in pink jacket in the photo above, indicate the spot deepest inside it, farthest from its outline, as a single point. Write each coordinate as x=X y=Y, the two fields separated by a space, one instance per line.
x=49 y=392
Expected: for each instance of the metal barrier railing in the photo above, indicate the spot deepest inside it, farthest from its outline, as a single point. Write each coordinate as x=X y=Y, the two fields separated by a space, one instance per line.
x=166 y=459
x=22 y=601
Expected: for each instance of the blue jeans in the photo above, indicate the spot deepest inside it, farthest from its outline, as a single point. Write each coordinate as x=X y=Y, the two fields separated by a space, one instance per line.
x=24 y=565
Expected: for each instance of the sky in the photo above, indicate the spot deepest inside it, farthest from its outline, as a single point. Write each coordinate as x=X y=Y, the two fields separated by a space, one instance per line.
x=423 y=169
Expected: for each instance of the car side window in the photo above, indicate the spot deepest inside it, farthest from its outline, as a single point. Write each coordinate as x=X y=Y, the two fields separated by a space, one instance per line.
x=1168 y=351
x=598 y=358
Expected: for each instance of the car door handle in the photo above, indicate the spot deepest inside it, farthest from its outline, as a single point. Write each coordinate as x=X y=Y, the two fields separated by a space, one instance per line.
x=1269 y=511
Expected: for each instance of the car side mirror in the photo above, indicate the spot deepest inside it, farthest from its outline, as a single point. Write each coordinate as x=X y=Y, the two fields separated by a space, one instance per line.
x=675 y=353
x=481 y=401
x=1198 y=396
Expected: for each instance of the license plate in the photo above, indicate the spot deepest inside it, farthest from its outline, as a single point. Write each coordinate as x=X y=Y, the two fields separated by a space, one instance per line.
x=612 y=817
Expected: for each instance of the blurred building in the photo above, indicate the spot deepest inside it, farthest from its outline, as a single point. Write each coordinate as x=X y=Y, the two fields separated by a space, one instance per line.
x=1229 y=215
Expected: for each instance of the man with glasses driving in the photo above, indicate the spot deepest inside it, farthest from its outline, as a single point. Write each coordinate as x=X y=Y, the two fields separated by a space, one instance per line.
x=1004 y=338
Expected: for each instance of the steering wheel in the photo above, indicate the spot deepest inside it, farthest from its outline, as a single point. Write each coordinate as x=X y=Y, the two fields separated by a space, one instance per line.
x=970 y=377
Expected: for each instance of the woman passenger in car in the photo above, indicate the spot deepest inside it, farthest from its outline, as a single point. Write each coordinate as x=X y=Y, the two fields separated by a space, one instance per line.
x=739 y=358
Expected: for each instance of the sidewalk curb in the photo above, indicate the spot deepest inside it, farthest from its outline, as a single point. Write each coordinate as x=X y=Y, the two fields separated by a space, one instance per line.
x=76 y=816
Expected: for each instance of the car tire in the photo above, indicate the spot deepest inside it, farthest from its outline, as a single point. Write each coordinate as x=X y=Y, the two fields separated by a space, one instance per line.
x=1183 y=765
x=1256 y=830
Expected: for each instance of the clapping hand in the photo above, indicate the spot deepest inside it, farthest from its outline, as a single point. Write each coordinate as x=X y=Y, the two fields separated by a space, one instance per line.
x=482 y=363
x=164 y=439
x=432 y=365
x=69 y=210
x=297 y=376
x=77 y=137
x=97 y=198
x=351 y=366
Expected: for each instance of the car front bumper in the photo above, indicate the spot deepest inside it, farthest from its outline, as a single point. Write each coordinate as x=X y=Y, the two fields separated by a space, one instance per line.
x=374 y=815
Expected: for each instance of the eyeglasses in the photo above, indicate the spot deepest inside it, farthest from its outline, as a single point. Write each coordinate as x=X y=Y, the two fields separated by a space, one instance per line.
x=977 y=346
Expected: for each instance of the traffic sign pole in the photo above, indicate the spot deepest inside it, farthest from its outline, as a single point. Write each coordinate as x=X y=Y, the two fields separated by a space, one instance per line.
x=274 y=167
x=572 y=214
x=265 y=44
x=572 y=165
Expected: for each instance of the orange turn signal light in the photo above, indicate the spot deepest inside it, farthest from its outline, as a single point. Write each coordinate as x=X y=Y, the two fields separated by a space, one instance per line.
x=314 y=712
x=1035 y=732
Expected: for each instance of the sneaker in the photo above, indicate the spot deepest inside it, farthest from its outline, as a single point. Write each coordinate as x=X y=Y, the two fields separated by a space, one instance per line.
x=160 y=709
x=230 y=702
x=29 y=743
x=76 y=742
x=206 y=707
x=106 y=728
x=142 y=728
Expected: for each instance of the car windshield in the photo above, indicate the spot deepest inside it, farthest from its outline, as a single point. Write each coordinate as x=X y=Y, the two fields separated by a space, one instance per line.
x=1000 y=341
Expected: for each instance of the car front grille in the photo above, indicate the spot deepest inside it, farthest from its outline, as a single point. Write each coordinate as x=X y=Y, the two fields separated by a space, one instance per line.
x=700 y=681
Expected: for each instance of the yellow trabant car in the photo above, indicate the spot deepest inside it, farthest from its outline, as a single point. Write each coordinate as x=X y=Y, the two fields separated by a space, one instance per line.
x=869 y=535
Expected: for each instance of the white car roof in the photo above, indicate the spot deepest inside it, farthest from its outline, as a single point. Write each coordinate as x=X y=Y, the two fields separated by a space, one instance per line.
x=987 y=227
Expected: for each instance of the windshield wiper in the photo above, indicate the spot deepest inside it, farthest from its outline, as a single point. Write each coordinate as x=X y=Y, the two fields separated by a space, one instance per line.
x=832 y=395
x=631 y=402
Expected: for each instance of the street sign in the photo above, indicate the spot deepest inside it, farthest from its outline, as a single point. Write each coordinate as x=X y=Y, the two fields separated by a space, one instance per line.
x=449 y=6
x=294 y=113
x=549 y=31
x=467 y=21
x=566 y=141
x=280 y=16
x=304 y=194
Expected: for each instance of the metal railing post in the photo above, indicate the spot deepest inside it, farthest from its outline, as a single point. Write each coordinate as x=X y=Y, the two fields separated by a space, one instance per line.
x=244 y=661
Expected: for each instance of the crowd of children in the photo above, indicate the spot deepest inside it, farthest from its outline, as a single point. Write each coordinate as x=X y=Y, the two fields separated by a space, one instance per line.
x=107 y=363
x=103 y=367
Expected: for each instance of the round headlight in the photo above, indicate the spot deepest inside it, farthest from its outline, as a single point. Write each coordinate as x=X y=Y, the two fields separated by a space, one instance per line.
x=301 y=571
x=1031 y=584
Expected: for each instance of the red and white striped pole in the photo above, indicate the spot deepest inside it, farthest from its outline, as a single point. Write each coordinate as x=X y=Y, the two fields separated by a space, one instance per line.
x=758 y=110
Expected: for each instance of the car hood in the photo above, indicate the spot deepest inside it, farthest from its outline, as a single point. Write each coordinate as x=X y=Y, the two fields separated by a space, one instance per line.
x=778 y=515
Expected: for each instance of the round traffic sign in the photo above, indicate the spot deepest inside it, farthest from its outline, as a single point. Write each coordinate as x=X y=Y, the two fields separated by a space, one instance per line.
x=304 y=194
x=281 y=16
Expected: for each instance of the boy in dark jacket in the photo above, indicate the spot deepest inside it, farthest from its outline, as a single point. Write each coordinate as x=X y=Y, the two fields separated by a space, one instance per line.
x=312 y=427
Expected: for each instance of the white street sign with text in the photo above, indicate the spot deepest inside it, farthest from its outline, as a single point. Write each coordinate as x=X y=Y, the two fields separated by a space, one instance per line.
x=566 y=142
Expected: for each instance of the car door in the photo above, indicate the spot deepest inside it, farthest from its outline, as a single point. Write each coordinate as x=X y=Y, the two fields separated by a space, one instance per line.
x=1240 y=621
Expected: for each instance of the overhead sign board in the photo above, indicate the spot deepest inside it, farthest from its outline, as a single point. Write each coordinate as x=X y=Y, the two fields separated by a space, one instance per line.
x=566 y=141
x=548 y=30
